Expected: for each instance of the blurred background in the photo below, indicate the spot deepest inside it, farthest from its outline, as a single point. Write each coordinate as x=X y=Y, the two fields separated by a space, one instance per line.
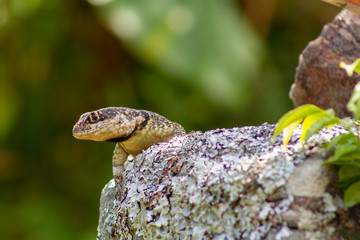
x=205 y=64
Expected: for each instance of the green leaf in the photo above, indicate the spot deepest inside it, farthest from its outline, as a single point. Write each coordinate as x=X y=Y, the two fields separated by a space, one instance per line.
x=349 y=162
x=350 y=68
x=347 y=123
x=349 y=139
x=288 y=131
x=330 y=112
x=310 y=121
x=352 y=195
x=346 y=151
x=295 y=115
x=342 y=185
x=319 y=125
x=348 y=173
x=354 y=103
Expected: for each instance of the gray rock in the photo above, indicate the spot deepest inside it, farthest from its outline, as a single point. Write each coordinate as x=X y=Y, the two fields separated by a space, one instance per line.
x=225 y=184
x=310 y=179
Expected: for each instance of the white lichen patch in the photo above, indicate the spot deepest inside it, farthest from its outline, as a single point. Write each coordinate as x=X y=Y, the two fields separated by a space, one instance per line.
x=310 y=179
x=222 y=184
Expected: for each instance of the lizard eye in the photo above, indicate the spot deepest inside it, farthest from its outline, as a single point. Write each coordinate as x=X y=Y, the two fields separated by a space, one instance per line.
x=95 y=117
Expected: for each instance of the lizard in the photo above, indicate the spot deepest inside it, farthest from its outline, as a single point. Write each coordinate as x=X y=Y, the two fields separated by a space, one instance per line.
x=132 y=130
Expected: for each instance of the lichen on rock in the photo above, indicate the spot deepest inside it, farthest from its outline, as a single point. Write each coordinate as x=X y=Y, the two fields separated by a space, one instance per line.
x=224 y=184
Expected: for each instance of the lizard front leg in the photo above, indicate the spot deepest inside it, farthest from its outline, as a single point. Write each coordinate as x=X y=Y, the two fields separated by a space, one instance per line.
x=119 y=158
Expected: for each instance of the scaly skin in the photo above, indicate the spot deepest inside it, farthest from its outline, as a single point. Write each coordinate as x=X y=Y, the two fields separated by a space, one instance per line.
x=132 y=130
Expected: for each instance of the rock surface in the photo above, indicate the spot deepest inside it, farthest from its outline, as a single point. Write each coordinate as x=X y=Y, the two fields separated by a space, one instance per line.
x=227 y=184
x=319 y=80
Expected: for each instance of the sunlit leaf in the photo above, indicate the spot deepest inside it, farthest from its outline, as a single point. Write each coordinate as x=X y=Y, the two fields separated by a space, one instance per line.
x=310 y=121
x=350 y=68
x=352 y=195
x=317 y=126
x=330 y=111
x=288 y=131
x=354 y=103
x=295 y=115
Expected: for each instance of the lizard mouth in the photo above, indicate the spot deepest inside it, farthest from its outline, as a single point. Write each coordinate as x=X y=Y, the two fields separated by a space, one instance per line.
x=96 y=134
x=80 y=132
x=76 y=131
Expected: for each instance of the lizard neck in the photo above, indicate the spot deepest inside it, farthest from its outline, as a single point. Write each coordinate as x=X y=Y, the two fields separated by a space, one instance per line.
x=139 y=141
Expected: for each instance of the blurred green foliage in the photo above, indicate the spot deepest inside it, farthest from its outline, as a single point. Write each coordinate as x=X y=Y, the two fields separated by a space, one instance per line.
x=200 y=63
x=205 y=43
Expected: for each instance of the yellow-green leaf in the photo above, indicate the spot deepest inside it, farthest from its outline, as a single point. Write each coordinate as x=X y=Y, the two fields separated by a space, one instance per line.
x=317 y=126
x=354 y=103
x=288 y=131
x=309 y=121
x=350 y=68
x=295 y=115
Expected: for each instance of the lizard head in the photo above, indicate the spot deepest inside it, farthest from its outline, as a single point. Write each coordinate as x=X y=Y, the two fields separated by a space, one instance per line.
x=107 y=124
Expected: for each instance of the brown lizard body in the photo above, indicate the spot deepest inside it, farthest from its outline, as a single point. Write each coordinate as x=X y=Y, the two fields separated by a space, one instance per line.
x=132 y=130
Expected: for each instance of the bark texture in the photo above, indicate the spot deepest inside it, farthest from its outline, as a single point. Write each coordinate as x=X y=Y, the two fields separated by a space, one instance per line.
x=319 y=80
x=228 y=184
